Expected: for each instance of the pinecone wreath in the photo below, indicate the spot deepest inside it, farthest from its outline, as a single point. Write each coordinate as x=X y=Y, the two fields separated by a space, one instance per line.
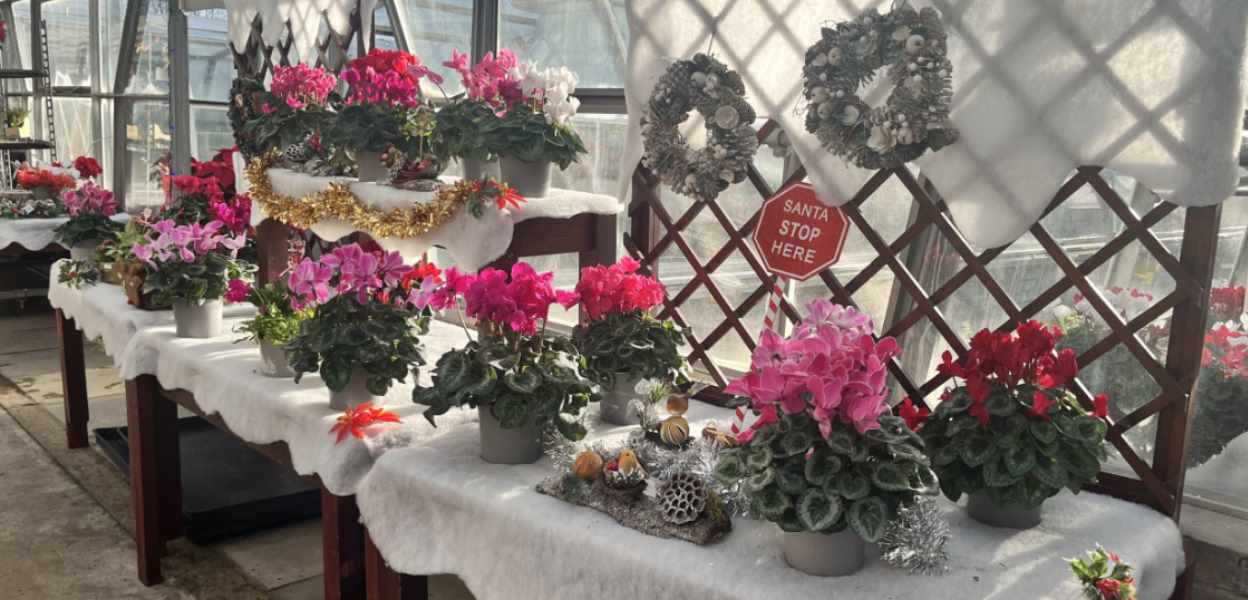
x=682 y=498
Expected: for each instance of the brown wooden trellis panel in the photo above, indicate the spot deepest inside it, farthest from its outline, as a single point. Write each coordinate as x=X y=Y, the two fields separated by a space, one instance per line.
x=256 y=59
x=655 y=232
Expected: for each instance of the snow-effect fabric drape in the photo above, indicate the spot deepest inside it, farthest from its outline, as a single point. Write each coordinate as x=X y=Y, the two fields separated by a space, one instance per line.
x=1154 y=90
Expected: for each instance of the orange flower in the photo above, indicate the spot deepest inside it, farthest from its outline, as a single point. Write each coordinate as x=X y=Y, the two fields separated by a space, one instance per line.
x=508 y=195
x=354 y=420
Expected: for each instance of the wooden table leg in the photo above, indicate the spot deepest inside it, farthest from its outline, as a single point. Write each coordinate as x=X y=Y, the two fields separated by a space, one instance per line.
x=73 y=381
x=155 y=478
x=343 y=540
x=386 y=584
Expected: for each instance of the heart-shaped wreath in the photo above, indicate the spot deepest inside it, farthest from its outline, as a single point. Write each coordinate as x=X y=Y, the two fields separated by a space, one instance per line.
x=718 y=94
x=916 y=115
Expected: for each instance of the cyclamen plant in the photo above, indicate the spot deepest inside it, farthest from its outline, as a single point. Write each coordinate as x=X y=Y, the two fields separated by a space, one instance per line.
x=621 y=339
x=521 y=374
x=384 y=106
x=90 y=210
x=537 y=127
x=298 y=105
x=364 y=316
x=824 y=453
x=1012 y=429
x=46 y=183
x=1104 y=576
x=188 y=263
x=490 y=88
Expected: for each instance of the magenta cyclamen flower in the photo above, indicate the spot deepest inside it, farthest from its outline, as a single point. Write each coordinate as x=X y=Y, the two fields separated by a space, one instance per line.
x=831 y=368
x=518 y=303
x=349 y=269
x=89 y=199
x=237 y=290
x=301 y=86
x=170 y=242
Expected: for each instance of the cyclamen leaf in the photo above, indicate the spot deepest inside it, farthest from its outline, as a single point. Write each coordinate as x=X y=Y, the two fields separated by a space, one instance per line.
x=978 y=449
x=817 y=511
x=852 y=486
x=1043 y=431
x=791 y=481
x=771 y=502
x=1050 y=472
x=758 y=481
x=758 y=458
x=822 y=466
x=841 y=442
x=997 y=475
x=887 y=476
x=730 y=469
x=868 y=518
x=1020 y=461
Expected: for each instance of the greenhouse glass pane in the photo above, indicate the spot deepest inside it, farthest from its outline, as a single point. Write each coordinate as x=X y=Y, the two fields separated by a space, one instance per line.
x=591 y=38
x=19 y=32
x=73 y=127
x=434 y=27
x=211 y=63
x=112 y=21
x=151 y=57
x=69 y=36
x=210 y=131
x=147 y=145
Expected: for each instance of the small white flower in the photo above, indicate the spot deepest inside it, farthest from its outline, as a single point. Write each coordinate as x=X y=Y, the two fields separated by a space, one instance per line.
x=914 y=43
x=819 y=93
x=825 y=110
x=901 y=33
x=726 y=117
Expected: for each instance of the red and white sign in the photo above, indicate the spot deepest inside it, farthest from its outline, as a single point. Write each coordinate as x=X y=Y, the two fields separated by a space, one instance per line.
x=798 y=236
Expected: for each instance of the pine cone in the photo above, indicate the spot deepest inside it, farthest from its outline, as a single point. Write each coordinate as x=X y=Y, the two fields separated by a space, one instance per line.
x=682 y=498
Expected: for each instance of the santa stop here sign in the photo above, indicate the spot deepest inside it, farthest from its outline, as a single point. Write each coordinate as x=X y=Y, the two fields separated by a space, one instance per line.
x=798 y=236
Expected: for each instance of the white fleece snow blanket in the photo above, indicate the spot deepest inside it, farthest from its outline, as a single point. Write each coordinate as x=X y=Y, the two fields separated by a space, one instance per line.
x=100 y=311
x=471 y=242
x=304 y=16
x=1152 y=89
x=438 y=508
x=224 y=376
x=31 y=234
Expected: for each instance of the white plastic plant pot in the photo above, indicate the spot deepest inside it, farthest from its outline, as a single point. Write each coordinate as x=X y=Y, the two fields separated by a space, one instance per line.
x=984 y=509
x=502 y=446
x=615 y=400
x=531 y=179
x=480 y=169
x=369 y=167
x=355 y=394
x=198 y=320
x=825 y=554
x=273 y=362
x=84 y=251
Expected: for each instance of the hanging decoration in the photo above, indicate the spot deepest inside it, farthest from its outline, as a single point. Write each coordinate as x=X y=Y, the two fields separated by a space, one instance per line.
x=718 y=94
x=915 y=118
x=916 y=539
x=337 y=202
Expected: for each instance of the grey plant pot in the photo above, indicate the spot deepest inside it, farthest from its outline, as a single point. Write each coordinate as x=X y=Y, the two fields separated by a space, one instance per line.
x=273 y=361
x=480 y=169
x=83 y=251
x=501 y=446
x=984 y=509
x=198 y=320
x=531 y=179
x=825 y=554
x=355 y=394
x=615 y=400
x=370 y=167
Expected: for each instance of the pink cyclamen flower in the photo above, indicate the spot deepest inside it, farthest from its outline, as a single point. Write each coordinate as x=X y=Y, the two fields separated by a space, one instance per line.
x=237 y=291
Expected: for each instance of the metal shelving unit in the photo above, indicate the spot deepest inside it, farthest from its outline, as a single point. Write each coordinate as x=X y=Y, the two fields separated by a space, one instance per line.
x=42 y=86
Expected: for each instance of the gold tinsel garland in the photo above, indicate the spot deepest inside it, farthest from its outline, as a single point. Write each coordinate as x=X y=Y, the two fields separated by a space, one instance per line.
x=337 y=202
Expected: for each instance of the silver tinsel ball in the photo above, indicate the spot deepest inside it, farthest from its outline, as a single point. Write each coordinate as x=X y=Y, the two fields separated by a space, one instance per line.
x=916 y=539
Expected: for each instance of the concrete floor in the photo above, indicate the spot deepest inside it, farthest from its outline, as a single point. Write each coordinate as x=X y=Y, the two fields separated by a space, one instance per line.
x=81 y=544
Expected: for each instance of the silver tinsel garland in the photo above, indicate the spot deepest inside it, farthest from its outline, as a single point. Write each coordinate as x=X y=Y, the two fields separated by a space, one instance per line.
x=916 y=539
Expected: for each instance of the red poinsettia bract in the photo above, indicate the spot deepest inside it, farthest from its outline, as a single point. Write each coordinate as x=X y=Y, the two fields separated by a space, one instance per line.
x=355 y=419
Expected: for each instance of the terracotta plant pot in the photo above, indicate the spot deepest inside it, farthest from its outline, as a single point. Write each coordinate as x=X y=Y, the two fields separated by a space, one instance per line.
x=502 y=446
x=615 y=401
x=198 y=321
x=273 y=361
x=370 y=167
x=13 y=133
x=480 y=169
x=531 y=179
x=825 y=554
x=984 y=509
x=355 y=394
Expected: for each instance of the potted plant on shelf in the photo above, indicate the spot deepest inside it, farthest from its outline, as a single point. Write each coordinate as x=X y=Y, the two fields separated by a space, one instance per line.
x=276 y=322
x=536 y=130
x=518 y=378
x=622 y=344
x=490 y=88
x=298 y=105
x=187 y=267
x=825 y=460
x=1012 y=435
x=383 y=109
x=45 y=183
x=90 y=223
x=14 y=120
x=362 y=335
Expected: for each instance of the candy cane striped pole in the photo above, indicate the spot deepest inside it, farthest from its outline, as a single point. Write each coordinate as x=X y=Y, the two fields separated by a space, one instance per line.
x=773 y=302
